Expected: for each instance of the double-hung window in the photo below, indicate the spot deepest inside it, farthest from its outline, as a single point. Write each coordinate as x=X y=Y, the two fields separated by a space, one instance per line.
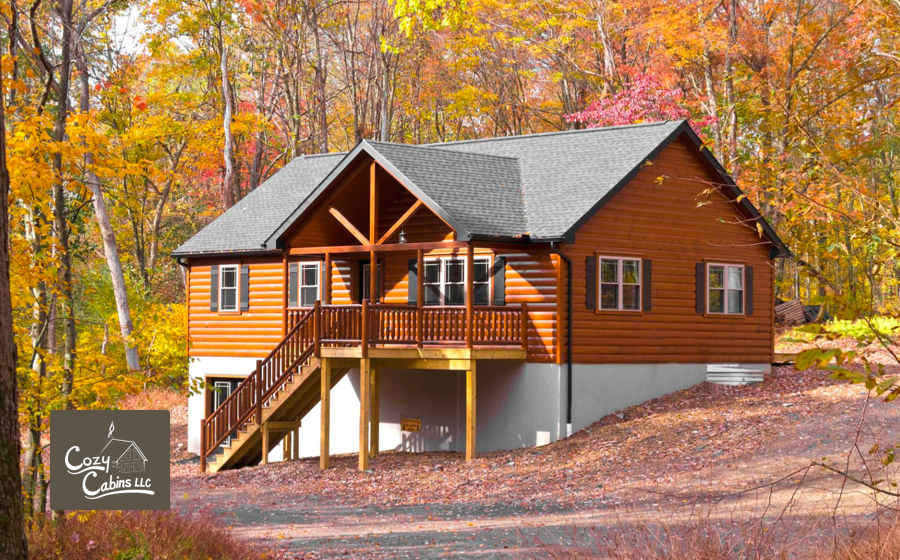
x=229 y=275
x=309 y=283
x=620 y=284
x=725 y=289
x=445 y=281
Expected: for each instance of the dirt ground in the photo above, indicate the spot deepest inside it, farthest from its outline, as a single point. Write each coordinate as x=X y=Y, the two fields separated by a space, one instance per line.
x=728 y=452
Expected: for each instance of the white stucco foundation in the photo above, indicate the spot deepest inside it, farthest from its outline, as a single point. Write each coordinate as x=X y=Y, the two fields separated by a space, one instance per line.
x=518 y=404
x=602 y=389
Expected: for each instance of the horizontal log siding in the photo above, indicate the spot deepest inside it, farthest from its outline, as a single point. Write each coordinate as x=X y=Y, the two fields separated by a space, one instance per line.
x=663 y=223
x=252 y=333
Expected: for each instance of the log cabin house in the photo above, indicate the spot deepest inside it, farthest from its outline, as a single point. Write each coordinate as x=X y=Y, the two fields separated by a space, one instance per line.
x=400 y=297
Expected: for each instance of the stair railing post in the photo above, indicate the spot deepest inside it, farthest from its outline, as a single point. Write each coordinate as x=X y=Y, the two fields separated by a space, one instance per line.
x=259 y=392
x=317 y=317
x=364 y=336
x=524 y=327
x=203 y=445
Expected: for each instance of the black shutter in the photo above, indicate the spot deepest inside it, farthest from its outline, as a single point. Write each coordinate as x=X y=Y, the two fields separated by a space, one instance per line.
x=591 y=284
x=292 y=284
x=701 y=288
x=214 y=287
x=245 y=287
x=748 y=290
x=647 y=285
x=412 y=285
x=499 y=277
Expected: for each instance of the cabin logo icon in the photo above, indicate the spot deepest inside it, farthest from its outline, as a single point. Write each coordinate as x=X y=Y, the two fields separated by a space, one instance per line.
x=126 y=472
x=125 y=456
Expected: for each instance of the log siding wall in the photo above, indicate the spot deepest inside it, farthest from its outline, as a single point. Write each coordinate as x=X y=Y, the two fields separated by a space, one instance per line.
x=252 y=333
x=661 y=221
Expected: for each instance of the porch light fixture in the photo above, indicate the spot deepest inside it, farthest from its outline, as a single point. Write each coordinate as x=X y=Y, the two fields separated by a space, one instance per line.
x=402 y=236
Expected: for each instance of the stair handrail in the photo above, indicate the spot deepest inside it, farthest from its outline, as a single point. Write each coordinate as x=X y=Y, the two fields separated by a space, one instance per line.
x=252 y=405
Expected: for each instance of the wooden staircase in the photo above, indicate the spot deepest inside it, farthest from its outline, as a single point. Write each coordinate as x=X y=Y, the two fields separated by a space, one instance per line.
x=284 y=387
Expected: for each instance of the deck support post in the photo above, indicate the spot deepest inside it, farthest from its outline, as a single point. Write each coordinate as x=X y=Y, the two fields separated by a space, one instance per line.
x=296 y=454
x=265 y=444
x=325 y=434
x=420 y=297
x=365 y=410
x=470 y=295
x=375 y=424
x=470 y=411
x=287 y=447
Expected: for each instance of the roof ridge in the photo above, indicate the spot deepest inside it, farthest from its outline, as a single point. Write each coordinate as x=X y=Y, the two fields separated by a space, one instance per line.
x=436 y=147
x=552 y=133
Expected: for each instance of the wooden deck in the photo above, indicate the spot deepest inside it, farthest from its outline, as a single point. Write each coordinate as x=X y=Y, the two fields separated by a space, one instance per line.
x=324 y=342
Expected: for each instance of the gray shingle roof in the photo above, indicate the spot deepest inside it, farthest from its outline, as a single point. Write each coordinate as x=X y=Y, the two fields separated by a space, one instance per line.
x=539 y=185
x=565 y=174
x=250 y=222
x=482 y=192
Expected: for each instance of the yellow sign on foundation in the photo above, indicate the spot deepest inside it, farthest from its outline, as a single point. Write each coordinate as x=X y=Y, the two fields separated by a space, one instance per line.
x=410 y=424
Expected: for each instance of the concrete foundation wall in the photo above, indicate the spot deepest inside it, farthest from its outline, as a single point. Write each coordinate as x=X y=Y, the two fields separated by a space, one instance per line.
x=602 y=389
x=518 y=404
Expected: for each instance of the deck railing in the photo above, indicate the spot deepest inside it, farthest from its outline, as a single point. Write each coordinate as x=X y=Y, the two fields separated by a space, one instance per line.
x=363 y=325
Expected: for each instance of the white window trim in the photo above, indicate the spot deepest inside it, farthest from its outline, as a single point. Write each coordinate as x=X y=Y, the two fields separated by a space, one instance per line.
x=490 y=262
x=725 y=288
x=300 y=285
x=237 y=288
x=620 y=273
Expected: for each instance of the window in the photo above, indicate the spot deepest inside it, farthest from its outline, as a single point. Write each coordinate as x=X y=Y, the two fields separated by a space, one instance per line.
x=138 y=467
x=445 y=281
x=725 y=289
x=366 y=292
x=124 y=468
x=309 y=283
x=228 y=287
x=620 y=284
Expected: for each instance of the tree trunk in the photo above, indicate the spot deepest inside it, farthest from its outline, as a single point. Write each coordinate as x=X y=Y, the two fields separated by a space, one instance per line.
x=731 y=133
x=13 y=545
x=60 y=218
x=228 y=198
x=110 y=247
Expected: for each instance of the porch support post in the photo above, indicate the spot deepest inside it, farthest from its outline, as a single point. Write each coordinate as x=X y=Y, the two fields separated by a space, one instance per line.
x=373 y=205
x=296 y=454
x=365 y=412
x=420 y=297
x=373 y=277
x=326 y=295
x=325 y=434
x=375 y=424
x=470 y=294
x=265 y=444
x=470 y=411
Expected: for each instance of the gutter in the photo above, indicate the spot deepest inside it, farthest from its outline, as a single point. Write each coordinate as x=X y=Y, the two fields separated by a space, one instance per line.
x=555 y=249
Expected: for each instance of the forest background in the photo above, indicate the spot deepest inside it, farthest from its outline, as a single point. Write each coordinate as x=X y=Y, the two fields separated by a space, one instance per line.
x=131 y=125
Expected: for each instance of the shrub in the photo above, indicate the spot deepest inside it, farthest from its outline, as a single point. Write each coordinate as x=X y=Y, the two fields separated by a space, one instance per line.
x=135 y=535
